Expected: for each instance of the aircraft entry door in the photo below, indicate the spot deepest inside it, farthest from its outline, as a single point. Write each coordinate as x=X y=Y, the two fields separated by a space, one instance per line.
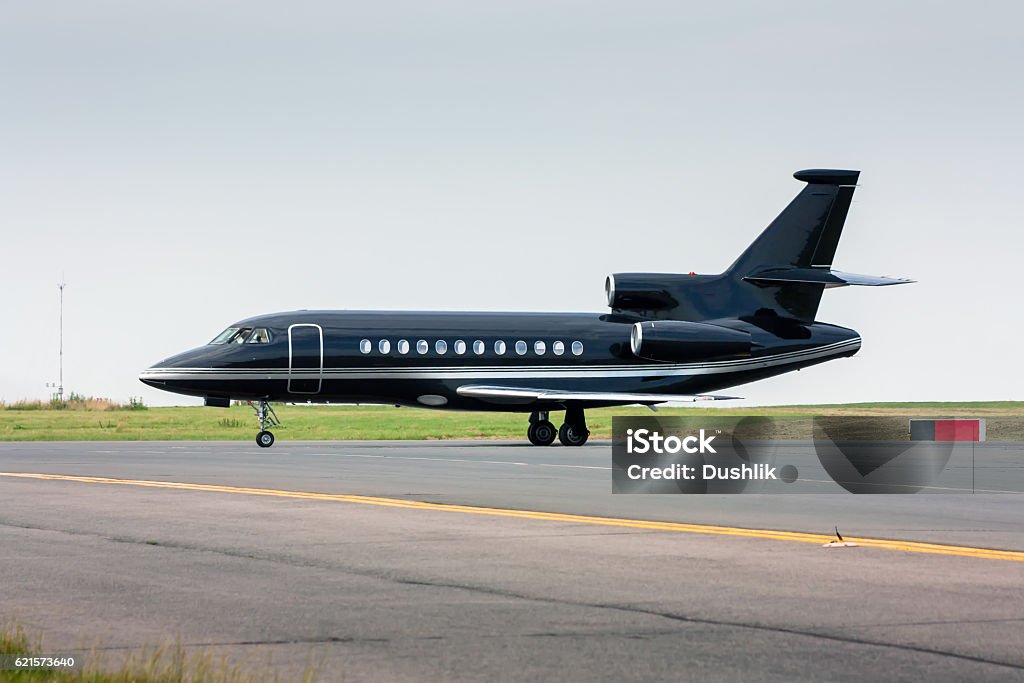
x=305 y=358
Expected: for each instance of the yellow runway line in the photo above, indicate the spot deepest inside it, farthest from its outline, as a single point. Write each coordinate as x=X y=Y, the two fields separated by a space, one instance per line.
x=680 y=527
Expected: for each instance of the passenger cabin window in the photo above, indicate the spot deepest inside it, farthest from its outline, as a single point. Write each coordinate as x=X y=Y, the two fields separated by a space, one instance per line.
x=441 y=347
x=479 y=347
x=384 y=346
x=539 y=348
x=365 y=346
x=499 y=347
x=259 y=336
x=460 y=346
x=558 y=348
x=577 y=348
x=422 y=346
x=403 y=346
x=521 y=347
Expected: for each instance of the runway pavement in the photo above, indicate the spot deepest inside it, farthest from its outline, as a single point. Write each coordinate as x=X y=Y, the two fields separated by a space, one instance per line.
x=351 y=556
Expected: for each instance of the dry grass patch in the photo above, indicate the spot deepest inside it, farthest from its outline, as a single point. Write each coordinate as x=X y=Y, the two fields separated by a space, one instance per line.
x=171 y=663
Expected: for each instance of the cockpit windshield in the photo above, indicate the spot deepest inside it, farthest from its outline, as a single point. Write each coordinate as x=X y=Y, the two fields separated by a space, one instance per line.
x=243 y=335
x=225 y=336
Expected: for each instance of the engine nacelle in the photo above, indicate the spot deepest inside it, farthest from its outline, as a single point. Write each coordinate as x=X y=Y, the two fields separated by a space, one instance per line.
x=679 y=340
x=639 y=291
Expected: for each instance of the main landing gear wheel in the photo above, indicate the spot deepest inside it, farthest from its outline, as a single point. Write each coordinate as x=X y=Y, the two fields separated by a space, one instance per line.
x=542 y=433
x=268 y=418
x=573 y=435
x=574 y=432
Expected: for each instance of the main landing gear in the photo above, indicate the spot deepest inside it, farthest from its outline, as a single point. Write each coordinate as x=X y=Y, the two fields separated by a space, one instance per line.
x=573 y=432
x=541 y=432
x=268 y=418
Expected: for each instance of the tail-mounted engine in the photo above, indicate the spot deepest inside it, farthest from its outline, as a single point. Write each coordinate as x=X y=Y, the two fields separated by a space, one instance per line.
x=679 y=340
x=640 y=291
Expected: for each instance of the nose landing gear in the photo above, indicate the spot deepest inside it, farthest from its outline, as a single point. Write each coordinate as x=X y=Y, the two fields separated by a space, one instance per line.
x=268 y=418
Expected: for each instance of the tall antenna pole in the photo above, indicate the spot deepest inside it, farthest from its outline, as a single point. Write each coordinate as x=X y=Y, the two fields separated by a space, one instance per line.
x=60 y=380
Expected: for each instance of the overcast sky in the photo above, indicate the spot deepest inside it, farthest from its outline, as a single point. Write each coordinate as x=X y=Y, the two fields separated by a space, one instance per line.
x=189 y=164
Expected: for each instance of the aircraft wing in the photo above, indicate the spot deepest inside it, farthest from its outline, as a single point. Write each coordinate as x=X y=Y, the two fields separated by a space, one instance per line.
x=498 y=394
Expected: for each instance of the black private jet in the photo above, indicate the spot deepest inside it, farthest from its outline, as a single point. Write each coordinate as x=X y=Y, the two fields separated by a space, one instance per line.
x=667 y=337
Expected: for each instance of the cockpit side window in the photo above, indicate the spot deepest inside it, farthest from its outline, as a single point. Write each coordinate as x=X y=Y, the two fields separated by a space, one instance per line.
x=241 y=336
x=259 y=336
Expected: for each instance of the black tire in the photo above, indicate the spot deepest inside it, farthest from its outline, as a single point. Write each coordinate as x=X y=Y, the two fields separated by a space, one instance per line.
x=265 y=439
x=572 y=436
x=541 y=433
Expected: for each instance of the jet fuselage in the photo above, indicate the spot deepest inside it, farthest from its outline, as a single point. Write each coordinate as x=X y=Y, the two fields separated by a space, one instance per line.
x=422 y=358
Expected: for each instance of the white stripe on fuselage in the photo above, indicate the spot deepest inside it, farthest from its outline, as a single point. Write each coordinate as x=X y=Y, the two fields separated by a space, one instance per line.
x=525 y=371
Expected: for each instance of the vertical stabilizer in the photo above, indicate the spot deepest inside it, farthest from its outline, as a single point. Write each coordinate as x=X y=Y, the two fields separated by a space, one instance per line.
x=807 y=231
x=804 y=235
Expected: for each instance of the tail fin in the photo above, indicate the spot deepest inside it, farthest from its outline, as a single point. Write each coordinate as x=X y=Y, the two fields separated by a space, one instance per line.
x=807 y=232
x=804 y=235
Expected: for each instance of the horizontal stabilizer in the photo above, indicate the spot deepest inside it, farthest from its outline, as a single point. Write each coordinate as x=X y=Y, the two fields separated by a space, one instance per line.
x=821 y=276
x=521 y=395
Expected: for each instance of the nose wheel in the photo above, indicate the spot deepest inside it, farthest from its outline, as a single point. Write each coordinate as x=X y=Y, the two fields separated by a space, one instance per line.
x=268 y=418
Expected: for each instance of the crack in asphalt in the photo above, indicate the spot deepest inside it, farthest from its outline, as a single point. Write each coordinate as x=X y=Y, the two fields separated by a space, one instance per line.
x=326 y=640
x=840 y=638
x=503 y=593
x=940 y=622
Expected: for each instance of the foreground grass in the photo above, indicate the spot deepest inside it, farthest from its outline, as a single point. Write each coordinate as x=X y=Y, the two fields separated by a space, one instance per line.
x=166 y=664
x=1005 y=421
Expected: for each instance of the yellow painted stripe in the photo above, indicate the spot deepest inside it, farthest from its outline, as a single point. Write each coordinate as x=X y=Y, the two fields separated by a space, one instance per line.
x=772 y=534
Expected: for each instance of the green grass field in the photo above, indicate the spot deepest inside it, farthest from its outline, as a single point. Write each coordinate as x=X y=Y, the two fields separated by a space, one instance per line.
x=1005 y=421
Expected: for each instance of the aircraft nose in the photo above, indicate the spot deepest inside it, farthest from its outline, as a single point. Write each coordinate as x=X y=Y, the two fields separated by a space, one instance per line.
x=152 y=376
x=162 y=375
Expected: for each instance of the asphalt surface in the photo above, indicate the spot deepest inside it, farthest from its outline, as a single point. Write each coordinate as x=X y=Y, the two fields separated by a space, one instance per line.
x=366 y=591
